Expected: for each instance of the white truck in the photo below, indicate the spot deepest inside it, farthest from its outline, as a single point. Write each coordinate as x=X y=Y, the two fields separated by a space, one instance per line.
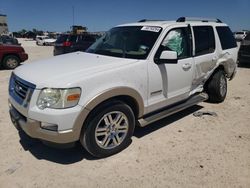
x=137 y=72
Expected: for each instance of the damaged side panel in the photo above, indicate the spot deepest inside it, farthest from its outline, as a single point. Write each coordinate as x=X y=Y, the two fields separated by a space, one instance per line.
x=205 y=62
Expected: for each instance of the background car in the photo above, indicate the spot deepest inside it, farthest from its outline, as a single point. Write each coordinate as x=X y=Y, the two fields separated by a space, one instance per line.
x=45 y=41
x=5 y=39
x=244 y=52
x=239 y=36
x=67 y=43
x=11 y=56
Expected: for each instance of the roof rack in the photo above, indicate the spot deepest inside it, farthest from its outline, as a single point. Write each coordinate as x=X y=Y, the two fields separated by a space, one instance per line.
x=145 y=20
x=183 y=19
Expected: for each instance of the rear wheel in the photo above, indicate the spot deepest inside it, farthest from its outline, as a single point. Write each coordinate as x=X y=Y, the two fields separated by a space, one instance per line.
x=109 y=129
x=217 y=87
x=11 y=62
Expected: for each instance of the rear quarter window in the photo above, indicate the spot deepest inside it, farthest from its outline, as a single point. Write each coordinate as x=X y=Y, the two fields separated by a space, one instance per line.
x=227 y=39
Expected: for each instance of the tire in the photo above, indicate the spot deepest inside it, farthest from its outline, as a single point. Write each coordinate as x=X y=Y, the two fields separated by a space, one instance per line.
x=11 y=62
x=217 y=87
x=108 y=130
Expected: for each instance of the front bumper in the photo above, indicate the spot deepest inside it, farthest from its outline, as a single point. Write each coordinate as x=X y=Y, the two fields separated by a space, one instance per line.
x=53 y=125
x=34 y=130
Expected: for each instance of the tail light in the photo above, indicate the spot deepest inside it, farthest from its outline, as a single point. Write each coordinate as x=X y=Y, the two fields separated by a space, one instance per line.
x=67 y=43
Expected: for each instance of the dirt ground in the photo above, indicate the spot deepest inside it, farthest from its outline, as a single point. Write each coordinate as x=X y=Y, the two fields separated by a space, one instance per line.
x=179 y=151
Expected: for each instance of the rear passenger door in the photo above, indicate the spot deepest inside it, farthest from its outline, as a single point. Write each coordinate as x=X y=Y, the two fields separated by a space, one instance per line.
x=205 y=55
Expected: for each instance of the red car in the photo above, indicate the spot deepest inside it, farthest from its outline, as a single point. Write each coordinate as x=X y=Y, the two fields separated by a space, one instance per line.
x=11 y=56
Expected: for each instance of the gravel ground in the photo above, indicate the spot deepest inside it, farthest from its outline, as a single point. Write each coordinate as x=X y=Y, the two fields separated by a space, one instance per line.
x=179 y=151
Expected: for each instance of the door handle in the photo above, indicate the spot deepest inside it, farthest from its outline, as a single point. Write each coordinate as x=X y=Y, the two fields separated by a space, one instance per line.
x=186 y=66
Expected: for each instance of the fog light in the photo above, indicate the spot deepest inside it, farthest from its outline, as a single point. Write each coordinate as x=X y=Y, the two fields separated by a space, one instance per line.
x=48 y=126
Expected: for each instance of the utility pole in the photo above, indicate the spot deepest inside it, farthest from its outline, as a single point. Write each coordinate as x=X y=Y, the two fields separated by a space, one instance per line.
x=73 y=12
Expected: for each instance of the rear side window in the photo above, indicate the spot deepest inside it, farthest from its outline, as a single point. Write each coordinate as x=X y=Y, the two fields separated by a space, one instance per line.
x=227 y=39
x=204 y=40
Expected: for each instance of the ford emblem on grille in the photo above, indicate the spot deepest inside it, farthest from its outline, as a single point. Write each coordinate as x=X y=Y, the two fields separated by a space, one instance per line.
x=18 y=88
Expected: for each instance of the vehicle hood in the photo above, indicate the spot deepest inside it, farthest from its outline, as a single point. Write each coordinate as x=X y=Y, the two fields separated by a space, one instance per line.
x=66 y=70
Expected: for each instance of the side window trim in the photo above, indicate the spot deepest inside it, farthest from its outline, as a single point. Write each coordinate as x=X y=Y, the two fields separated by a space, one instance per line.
x=188 y=31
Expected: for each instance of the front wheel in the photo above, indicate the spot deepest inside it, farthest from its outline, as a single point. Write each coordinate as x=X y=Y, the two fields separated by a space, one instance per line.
x=109 y=129
x=217 y=87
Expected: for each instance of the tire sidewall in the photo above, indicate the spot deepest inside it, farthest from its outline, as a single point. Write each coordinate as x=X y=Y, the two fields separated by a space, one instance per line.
x=222 y=76
x=213 y=87
x=88 y=138
x=10 y=57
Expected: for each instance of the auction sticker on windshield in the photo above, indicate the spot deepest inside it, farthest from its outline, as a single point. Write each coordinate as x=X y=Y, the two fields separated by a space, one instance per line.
x=151 y=28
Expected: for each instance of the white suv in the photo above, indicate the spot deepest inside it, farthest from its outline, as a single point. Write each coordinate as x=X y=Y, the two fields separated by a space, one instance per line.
x=140 y=71
x=45 y=40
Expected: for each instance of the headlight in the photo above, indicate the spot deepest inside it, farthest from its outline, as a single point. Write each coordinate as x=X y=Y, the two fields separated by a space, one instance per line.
x=58 y=98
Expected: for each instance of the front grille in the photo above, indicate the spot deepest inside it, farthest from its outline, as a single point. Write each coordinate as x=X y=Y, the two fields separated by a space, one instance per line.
x=20 y=90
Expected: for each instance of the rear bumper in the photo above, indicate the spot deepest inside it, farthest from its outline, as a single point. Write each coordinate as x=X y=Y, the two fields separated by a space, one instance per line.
x=34 y=130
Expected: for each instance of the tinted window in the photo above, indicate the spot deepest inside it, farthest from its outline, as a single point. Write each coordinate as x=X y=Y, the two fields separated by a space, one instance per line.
x=227 y=39
x=204 y=40
x=61 y=38
x=89 y=38
x=72 y=38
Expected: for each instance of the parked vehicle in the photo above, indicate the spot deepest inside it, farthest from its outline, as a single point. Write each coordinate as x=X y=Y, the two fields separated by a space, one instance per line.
x=11 y=55
x=30 y=35
x=244 y=52
x=239 y=36
x=139 y=72
x=45 y=41
x=5 y=39
x=67 y=43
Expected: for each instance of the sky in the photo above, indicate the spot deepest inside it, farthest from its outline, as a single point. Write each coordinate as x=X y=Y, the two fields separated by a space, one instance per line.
x=100 y=15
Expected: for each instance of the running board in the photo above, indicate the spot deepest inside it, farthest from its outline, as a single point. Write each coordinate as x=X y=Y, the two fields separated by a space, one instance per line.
x=195 y=99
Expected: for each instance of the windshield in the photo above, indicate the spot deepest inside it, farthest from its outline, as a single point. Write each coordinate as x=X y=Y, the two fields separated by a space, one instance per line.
x=127 y=42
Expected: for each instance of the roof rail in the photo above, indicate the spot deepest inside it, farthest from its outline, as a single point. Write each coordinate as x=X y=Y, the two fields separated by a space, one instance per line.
x=183 y=19
x=145 y=20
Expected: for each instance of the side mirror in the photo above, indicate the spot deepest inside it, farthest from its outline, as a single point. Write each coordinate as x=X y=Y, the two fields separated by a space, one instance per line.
x=167 y=57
